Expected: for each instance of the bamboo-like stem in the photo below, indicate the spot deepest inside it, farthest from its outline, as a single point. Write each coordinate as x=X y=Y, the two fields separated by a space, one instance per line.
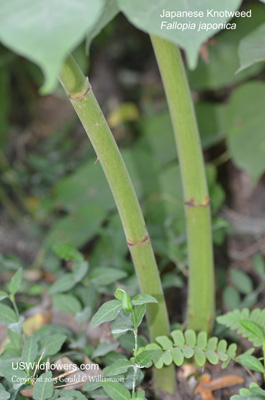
x=201 y=301
x=85 y=104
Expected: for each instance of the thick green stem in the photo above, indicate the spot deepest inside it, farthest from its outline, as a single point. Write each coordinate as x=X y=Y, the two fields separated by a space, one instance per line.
x=85 y=104
x=201 y=271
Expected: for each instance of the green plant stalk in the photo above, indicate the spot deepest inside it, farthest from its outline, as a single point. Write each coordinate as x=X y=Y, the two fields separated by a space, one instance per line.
x=85 y=104
x=201 y=303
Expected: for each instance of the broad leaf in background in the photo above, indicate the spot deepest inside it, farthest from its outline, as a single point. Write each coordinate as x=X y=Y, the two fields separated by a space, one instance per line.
x=67 y=303
x=246 y=140
x=252 y=48
x=43 y=388
x=45 y=32
x=144 y=14
x=109 y=11
x=78 y=227
x=223 y=50
x=116 y=391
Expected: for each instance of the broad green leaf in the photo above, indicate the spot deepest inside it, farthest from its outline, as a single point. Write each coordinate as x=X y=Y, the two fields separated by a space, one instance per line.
x=15 y=282
x=146 y=16
x=253 y=328
x=67 y=303
x=67 y=251
x=76 y=394
x=212 y=357
x=138 y=315
x=251 y=362
x=68 y=281
x=29 y=352
x=16 y=327
x=84 y=315
x=143 y=299
x=116 y=391
x=107 y=312
x=4 y=395
x=12 y=375
x=92 y=385
x=246 y=115
x=3 y=295
x=43 y=388
x=118 y=367
x=109 y=11
x=41 y=30
x=7 y=315
x=52 y=344
x=65 y=283
x=252 y=48
x=79 y=270
x=224 y=51
x=105 y=276
x=241 y=281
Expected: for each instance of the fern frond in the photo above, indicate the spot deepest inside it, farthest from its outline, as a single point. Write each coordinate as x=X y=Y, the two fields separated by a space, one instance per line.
x=232 y=320
x=187 y=345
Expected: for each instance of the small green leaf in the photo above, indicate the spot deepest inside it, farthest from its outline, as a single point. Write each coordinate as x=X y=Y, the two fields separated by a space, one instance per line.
x=107 y=312
x=177 y=356
x=43 y=388
x=190 y=337
x=15 y=282
x=105 y=276
x=67 y=251
x=140 y=299
x=122 y=323
x=29 y=352
x=178 y=338
x=231 y=298
x=137 y=315
x=118 y=367
x=241 y=281
x=202 y=340
x=251 y=362
x=67 y=303
x=7 y=315
x=259 y=265
x=65 y=283
x=164 y=342
x=116 y=391
x=200 y=357
x=253 y=328
x=104 y=348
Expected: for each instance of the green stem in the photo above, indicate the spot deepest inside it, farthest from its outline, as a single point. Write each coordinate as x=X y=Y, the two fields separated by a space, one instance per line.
x=85 y=104
x=198 y=219
x=135 y=332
